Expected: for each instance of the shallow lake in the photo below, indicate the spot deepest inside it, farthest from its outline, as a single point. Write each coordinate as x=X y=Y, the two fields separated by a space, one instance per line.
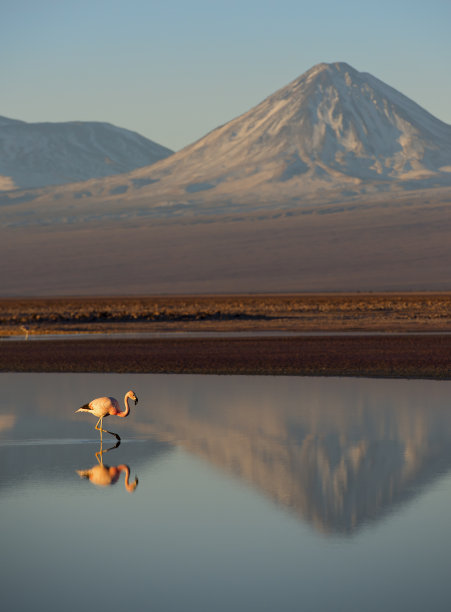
x=225 y=493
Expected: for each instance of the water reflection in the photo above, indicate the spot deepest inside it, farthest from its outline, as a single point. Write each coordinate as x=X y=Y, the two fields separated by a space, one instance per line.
x=339 y=453
x=105 y=475
x=233 y=474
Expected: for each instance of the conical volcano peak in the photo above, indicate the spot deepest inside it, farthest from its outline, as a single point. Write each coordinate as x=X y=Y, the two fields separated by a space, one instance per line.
x=336 y=71
x=324 y=80
x=339 y=120
x=331 y=68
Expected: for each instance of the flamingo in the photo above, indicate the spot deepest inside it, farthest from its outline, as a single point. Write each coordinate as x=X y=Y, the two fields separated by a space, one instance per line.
x=104 y=406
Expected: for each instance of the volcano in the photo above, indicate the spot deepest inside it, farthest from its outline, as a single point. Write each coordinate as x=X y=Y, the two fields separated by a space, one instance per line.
x=333 y=128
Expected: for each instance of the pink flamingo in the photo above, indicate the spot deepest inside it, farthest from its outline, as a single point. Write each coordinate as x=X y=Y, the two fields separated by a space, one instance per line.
x=104 y=406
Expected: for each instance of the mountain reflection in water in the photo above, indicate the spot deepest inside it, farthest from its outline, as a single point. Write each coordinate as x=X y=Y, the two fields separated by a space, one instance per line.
x=338 y=453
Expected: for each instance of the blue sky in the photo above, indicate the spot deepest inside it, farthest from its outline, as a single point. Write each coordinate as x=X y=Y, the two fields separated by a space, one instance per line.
x=173 y=70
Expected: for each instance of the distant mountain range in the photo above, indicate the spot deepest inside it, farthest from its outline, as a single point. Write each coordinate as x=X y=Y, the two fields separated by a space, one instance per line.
x=333 y=134
x=40 y=154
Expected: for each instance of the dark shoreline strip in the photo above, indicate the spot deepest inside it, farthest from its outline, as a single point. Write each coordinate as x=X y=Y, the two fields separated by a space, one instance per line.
x=390 y=356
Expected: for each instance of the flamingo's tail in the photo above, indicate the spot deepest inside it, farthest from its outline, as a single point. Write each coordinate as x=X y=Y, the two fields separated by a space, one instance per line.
x=83 y=473
x=84 y=408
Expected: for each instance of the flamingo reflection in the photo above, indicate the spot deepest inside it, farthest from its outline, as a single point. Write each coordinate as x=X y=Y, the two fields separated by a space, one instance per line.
x=105 y=475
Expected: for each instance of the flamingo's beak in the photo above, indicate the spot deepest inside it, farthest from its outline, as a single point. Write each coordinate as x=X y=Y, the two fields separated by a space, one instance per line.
x=136 y=400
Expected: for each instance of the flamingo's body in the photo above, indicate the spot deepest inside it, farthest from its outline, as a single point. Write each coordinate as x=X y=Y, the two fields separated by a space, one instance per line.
x=105 y=406
x=104 y=475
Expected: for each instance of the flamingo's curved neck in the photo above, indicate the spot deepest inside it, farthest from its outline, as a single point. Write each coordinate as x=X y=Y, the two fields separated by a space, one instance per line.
x=130 y=486
x=127 y=408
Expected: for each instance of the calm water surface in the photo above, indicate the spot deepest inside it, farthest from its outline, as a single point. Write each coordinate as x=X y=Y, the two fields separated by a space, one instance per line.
x=226 y=493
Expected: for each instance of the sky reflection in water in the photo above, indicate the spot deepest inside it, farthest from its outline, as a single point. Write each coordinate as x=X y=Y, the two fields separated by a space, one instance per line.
x=257 y=493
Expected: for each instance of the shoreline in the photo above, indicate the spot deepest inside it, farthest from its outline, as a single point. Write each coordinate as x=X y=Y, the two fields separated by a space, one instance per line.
x=393 y=335
x=391 y=355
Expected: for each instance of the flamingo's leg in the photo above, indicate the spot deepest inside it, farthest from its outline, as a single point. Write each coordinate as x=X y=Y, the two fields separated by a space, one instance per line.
x=100 y=428
x=118 y=438
x=105 y=430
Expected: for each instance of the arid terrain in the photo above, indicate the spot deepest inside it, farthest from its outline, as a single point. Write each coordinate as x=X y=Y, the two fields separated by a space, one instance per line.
x=397 y=335
x=409 y=312
x=380 y=244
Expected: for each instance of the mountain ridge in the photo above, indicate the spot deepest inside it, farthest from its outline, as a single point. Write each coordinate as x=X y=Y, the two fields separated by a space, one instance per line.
x=40 y=154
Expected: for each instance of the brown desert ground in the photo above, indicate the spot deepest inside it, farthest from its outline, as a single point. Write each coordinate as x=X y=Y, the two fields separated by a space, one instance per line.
x=379 y=244
x=395 y=335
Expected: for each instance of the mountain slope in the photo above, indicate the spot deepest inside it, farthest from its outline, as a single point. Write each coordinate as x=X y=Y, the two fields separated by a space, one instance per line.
x=39 y=154
x=332 y=127
x=333 y=118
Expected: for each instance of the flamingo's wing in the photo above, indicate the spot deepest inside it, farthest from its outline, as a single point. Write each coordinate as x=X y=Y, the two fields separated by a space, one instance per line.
x=101 y=404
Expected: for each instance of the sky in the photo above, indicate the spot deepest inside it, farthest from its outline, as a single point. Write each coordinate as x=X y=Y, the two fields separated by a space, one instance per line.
x=173 y=70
